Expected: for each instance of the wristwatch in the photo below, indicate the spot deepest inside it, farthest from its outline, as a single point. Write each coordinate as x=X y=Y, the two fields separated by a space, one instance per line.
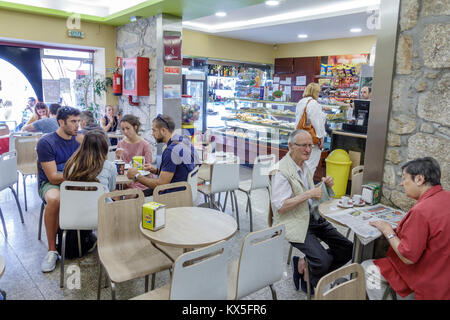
x=136 y=177
x=390 y=236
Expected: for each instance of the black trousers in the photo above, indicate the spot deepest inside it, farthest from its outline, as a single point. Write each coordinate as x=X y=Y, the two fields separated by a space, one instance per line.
x=322 y=261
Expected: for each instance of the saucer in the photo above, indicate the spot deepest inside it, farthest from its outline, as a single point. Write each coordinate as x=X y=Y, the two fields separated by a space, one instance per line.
x=349 y=205
x=144 y=173
x=361 y=204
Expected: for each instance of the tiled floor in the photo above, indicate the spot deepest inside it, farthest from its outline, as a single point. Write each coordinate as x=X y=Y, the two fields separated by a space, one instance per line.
x=23 y=254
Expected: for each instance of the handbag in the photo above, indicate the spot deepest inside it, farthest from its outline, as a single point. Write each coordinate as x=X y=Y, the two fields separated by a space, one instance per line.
x=307 y=127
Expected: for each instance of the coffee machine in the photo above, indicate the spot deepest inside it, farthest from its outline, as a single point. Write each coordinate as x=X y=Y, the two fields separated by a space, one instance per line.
x=361 y=117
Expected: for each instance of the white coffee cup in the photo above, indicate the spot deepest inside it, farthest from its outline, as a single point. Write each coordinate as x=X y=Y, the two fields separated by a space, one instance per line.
x=357 y=198
x=345 y=201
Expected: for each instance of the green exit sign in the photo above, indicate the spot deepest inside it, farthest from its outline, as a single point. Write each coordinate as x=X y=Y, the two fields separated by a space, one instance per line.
x=76 y=34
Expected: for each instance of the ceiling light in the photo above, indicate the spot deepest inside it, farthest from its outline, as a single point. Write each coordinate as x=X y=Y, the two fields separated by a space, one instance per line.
x=272 y=3
x=303 y=36
x=355 y=30
x=221 y=14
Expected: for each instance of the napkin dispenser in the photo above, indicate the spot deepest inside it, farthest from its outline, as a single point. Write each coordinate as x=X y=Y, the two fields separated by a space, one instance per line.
x=153 y=215
x=371 y=193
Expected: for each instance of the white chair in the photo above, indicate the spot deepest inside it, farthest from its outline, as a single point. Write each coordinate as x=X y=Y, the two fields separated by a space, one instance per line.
x=26 y=159
x=260 y=180
x=197 y=275
x=260 y=263
x=8 y=177
x=224 y=178
x=78 y=210
x=193 y=181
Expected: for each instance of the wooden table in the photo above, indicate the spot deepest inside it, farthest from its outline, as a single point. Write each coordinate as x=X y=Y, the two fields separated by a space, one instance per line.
x=193 y=227
x=325 y=208
x=123 y=179
x=112 y=135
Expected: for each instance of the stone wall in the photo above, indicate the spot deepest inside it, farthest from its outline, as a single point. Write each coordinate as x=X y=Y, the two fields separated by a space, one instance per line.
x=419 y=117
x=139 y=39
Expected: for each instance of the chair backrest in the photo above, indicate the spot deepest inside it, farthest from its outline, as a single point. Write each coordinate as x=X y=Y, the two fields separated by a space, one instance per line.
x=8 y=169
x=4 y=129
x=225 y=176
x=181 y=198
x=357 y=179
x=118 y=222
x=78 y=209
x=112 y=153
x=201 y=274
x=26 y=149
x=260 y=172
x=261 y=260
x=193 y=182
x=353 y=289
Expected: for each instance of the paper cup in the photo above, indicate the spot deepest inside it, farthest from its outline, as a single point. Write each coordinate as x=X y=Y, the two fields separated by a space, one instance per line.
x=120 y=166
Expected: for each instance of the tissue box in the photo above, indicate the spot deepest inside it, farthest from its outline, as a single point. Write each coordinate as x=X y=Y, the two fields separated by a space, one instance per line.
x=153 y=216
x=371 y=193
x=138 y=162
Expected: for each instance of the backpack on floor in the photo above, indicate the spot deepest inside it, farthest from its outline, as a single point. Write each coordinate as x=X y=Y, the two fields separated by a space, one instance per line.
x=87 y=238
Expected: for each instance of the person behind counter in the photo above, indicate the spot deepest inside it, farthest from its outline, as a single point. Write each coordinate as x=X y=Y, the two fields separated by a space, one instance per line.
x=316 y=117
x=416 y=264
x=365 y=94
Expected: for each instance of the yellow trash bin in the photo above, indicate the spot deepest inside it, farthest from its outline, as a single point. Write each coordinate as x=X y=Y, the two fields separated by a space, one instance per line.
x=338 y=167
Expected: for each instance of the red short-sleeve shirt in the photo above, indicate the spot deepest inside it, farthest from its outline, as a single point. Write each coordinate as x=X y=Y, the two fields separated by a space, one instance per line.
x=424 y=235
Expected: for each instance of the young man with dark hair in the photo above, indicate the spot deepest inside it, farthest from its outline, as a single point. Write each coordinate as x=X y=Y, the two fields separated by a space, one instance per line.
x=46 y=125
x=178 y=158
x=416 y=264
x=53 y=150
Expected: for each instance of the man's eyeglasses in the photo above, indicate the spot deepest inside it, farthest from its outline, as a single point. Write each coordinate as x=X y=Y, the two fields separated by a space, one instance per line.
x=304 y=145
x=159 y=117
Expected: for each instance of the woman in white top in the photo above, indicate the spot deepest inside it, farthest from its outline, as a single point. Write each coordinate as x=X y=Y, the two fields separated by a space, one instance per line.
x=316 y=117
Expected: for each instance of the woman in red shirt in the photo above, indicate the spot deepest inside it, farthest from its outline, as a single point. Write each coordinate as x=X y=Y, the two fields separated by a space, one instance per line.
x=418 y=259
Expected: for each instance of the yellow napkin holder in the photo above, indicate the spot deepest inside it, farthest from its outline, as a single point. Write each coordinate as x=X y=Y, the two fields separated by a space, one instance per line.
x=153 y=215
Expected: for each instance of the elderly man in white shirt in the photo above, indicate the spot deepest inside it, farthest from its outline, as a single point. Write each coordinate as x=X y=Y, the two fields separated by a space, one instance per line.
x=292 y=190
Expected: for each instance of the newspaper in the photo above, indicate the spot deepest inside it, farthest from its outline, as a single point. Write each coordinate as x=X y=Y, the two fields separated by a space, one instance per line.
x=358 y=219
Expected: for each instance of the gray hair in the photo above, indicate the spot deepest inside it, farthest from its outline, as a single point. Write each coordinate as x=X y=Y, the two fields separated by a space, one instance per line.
x=88 y=116
x=296 y=133
x=428 y=167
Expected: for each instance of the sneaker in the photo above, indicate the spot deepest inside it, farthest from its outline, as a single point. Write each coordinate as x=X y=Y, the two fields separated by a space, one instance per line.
x=49 y=262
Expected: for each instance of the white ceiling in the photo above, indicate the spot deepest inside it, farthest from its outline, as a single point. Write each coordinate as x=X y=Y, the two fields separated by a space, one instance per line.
x=322 y=19
x=101 y=8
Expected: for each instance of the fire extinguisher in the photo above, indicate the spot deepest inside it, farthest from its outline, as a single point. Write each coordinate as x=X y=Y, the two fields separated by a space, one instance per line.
x=117 y=83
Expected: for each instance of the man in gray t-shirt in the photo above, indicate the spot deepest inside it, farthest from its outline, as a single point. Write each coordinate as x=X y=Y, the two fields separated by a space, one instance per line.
x=46 y=125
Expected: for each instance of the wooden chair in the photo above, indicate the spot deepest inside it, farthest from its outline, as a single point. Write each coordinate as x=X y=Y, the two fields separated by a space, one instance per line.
x=182 y=198
x=26 y=159
x=8 y=177
x=260 y=263
x=357 y=179
x=353 y=289
x=78 y=210
x=123 y=250
x=197 y=275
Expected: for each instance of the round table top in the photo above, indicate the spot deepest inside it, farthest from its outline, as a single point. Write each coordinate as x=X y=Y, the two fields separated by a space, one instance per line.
x=115 y=135
x=123 y=179
x=2 y=266
x=330 y=207
x=193 y=227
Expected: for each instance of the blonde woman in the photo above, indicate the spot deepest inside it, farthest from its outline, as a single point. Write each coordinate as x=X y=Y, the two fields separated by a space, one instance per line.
x=316 y=118
x=89 y=162
x=40 y=112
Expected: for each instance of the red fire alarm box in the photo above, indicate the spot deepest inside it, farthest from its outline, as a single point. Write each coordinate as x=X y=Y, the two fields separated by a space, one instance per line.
x=135 y=76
